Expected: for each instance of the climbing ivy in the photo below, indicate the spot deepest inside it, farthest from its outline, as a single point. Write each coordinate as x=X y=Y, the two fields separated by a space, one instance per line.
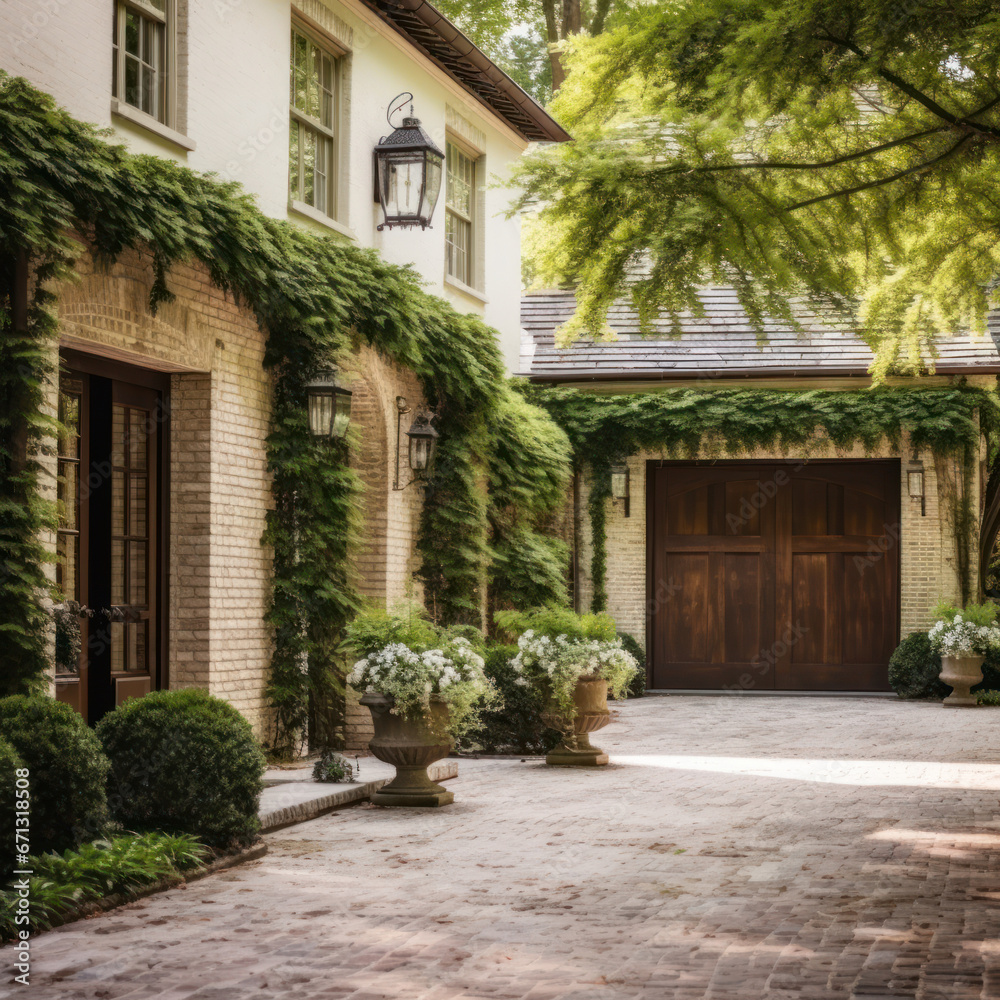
x=701 y=423
x=67 y=190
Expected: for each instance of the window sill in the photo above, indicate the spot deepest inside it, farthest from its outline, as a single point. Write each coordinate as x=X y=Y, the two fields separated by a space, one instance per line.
x=461 y=286
x=301 y=208
x=125 y=111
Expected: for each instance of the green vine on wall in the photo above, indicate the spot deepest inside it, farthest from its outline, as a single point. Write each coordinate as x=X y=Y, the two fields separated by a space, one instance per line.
x=67 y=190
x=704 y=423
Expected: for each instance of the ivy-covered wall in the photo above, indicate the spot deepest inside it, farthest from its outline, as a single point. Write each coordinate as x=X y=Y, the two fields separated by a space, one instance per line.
x=316 y=299
x=947 y=424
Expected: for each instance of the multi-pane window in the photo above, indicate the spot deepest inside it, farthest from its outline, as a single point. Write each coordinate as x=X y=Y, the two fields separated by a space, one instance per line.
x=141 y=51
x=459 y=222
x=312 y=135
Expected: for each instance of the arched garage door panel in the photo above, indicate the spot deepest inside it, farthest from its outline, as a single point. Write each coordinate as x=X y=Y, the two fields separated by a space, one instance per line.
x=773 y=576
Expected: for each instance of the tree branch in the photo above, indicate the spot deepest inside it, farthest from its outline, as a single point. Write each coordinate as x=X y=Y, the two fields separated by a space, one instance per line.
x=601 y=10
x=884 y=180
x=907 y=88
x=819 y=165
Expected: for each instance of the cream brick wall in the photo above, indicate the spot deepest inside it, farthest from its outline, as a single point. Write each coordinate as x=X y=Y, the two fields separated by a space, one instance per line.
x=928 y=564
x=219 y=573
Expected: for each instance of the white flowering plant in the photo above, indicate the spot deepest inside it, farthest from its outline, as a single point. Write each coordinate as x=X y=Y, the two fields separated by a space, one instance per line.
x=411 y=660
x=969 y=631
x=556 y=648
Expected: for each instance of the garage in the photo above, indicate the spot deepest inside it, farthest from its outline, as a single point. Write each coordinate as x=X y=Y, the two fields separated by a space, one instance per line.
x=772 y=575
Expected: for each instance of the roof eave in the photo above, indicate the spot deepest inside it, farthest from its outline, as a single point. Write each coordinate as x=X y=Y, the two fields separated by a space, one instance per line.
x=542 y=128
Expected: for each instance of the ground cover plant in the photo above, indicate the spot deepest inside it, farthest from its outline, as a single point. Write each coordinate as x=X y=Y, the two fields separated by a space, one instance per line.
x=118 y=864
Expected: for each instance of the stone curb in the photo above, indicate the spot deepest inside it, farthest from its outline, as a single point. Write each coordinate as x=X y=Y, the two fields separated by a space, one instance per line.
x=303 y=811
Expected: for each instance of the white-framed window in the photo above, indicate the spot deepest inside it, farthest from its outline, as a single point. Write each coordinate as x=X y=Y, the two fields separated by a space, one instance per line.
x=313 y=109
x=460 y=214
x=143 y=53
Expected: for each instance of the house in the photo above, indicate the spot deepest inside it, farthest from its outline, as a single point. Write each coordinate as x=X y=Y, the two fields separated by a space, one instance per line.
x=291 y=101
x=772 y=568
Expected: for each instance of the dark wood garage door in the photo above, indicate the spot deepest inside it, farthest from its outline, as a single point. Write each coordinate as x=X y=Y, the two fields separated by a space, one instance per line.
x=769 y=576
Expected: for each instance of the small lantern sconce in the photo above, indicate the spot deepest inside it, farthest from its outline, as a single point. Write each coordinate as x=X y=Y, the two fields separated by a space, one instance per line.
x=620 y=486
x=423 y=442
x=329 y=403
x=408 y=167
x=915 y=483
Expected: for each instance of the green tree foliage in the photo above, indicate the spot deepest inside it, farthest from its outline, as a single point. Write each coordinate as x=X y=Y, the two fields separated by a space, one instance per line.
x=526 y=37
x=839 y=151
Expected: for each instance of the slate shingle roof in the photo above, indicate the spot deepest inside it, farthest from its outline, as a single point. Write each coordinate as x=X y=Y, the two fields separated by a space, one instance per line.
x=721 y=344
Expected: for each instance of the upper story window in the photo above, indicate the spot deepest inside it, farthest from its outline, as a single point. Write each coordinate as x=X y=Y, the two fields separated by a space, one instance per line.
x=312 y=160
x=143 y=46
x=460 y=215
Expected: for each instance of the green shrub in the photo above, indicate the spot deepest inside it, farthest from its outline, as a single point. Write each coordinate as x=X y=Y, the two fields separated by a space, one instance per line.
x=68 y=770
x=184 y=762
x=637 y=688
x=987 y=696
x=555 y=620
x=914 y=668
x=333 y=767
x=515 y=725
x=10 y=764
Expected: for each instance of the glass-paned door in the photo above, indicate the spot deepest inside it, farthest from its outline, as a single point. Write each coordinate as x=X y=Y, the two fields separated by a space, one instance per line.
x=110 y=538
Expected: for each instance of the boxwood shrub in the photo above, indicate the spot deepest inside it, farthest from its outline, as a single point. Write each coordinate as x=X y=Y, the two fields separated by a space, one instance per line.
x=68 y=770
x=10 y=763
x=638 y=686
x=184 y=762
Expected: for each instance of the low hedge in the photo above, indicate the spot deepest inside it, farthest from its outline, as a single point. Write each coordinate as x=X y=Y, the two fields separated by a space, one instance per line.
x=10 y=764
x=183 y=761
x=68 y=771
x=638 y=686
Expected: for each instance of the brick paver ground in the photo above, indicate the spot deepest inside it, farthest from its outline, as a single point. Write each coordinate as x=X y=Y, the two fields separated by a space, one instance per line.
x=793 y=848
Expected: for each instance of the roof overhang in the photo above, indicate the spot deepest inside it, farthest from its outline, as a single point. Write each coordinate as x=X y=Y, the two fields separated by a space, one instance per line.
x=432 y=33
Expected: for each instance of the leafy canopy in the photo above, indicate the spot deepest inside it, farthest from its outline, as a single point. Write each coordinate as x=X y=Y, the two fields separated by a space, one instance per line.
x=837 y=150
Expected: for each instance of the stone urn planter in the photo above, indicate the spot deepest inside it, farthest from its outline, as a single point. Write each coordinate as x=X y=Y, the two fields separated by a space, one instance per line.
x=962 y=673
x=411 y=746
x=591 y=700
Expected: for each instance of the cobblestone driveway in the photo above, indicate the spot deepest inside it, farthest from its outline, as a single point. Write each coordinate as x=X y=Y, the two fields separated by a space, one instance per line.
x=791 y=848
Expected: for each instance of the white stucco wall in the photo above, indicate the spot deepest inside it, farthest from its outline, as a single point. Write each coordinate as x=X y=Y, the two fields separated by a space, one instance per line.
x=233 y=93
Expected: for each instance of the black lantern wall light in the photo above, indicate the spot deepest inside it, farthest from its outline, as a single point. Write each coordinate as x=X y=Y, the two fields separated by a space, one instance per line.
x=329 y=402
x=423 y=442
x=408 y=168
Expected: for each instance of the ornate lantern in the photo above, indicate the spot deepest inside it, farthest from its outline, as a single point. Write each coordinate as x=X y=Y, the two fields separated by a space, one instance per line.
x=407 y=172
x=423 y=441
x=329 y=405
x=620 y=486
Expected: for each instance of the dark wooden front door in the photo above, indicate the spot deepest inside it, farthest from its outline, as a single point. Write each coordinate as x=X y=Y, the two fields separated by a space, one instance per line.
x=773 y=576
x=111 y=540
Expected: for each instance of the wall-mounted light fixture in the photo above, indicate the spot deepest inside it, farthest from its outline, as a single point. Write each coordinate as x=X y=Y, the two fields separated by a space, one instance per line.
x=329 y=402
x=915 y=482
x=422 y=444
x=408 y=168
x=620 y=486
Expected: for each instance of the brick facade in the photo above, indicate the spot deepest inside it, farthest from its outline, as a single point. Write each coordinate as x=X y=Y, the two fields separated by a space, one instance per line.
x=219 y=492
